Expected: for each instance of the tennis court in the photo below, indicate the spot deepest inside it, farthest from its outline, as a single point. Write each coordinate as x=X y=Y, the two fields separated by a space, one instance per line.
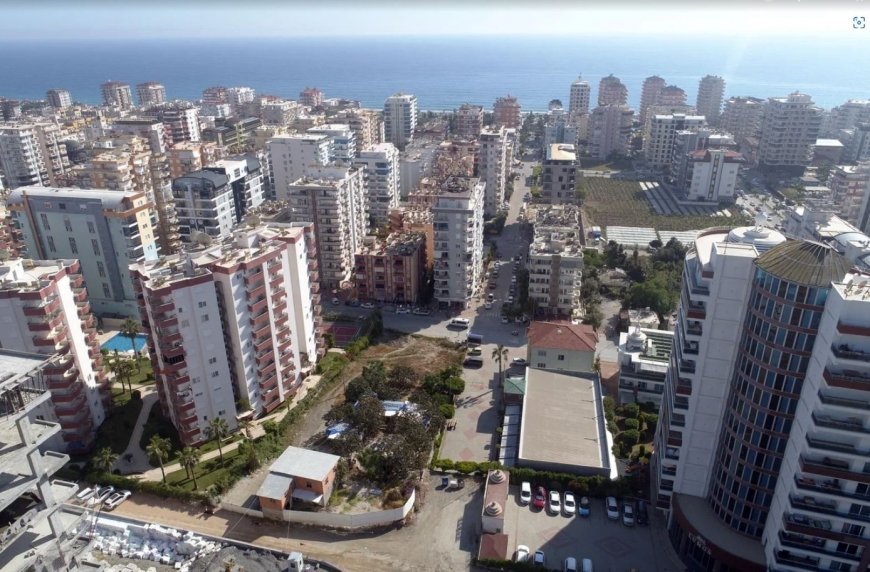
x=343 y=332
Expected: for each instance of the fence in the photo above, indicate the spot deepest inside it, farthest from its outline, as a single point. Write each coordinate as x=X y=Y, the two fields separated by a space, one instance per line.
x=336 y=520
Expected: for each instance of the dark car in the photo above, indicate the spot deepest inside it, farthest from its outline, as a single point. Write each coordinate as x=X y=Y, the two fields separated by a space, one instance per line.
x=642 y=513
x=540 y=499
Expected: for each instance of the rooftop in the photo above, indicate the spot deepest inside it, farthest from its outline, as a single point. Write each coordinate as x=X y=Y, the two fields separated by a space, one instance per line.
x=397 y=243
x=112 y=200
x=304 y=463
x=648 y=344
x=26 y=274
x=562 y=336
x=805 y=262
x=828 y=143
x=561 y=152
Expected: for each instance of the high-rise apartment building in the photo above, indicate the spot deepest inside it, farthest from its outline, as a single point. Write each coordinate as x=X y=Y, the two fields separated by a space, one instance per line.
x=711 y=89
x=106 y=230
x=611 y=91
x=687 y=141
x=742 y=117
x=558 y=127
x=117 y=94
x=789 y=129
x=189 y=156
x=400 y=119
x=367 y=126
x=559 y=174
x=714 y=174
x=279 y=113
x=649 y=95
x=556 y=261
x=850 y=191
x=245 y=178
x=344 y=147
x=494 y=167
x=124 y=165
x=58 y=98
x=458 y=223
x=333 y=198
x=659 y=146
x=848 y=116
x=44 y=309
x=32 y=154
x=856 y=143
x=391 y=270
x=214 y=96
x=507 y=112
x=671 y=96
x=150 y=93
x=578 y=99
x=311 y=97
x=381 y=175
x=469 y=121
x=204 y=204
x=610 y=130
x=180 y=121
x=239 y=95
x=291 y=156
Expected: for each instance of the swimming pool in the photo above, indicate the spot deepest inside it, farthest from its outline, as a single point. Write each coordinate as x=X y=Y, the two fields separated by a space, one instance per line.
x=122 y=343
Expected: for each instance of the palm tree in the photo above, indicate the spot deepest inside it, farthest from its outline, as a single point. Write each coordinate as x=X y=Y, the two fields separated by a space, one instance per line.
x=245 y=424
x=159 y=448
x=500 y=355
x=189 y=458
x=104 y=460
x=217 y=430
x=130 y=329
x=115 y=366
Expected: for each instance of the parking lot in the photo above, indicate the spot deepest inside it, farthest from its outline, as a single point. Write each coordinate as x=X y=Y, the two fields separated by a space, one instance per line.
x=611 y=545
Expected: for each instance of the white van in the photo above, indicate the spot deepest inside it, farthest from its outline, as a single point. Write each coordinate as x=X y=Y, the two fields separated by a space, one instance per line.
x=587 y=565
x=570 y=565
x=460 y=323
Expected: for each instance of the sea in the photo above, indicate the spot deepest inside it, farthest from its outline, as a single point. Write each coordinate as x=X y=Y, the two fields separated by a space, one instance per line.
x=443 y=72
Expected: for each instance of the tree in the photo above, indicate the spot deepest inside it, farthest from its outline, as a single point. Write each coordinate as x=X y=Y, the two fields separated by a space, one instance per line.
x=402 y=377
x=130 y=330
x=189 y=458
x=454 y=386
x=245 y=425
x=656 y=243
x=105 y=459
x=159 y=448
x=217 y=430
x=368 y=416
x=329 y=340
x=500 y=355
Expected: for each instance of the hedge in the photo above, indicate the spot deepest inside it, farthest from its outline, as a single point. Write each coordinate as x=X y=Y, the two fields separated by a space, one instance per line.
x=493 y=564
x=153 y=487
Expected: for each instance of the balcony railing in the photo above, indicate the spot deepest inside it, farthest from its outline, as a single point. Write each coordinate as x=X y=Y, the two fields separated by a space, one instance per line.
x=842 y=351
x=854 y=425
x=847 y=379
x=824 y=507
x=844 y=402
x=816 y=545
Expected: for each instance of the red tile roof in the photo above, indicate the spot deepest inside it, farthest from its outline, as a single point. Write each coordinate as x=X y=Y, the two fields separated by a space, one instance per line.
x=563 y=336
x=493 y=546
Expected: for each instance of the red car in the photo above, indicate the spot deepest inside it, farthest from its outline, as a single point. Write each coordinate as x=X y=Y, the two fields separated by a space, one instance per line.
x=540 y=499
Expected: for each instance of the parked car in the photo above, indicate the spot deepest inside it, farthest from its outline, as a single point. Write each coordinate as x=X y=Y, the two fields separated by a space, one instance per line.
x=522 y=554
x=642 y=513
x=505 y=320
x=569 y=505
x=422 y=312
x=570 y=565
x=612 y=508
x=519 y=361
x=540 y=498
x=116 y=499
x=555 y=504
x=367 y=305
x=510 y=300
x=540 y=559
x=628 y=513
x=102 y=494
x=475 y=352
x=336 y=302
x=487 y=305
x=585 y=508
x=492 y=285
x=85 y=494
x=525 y=493
x=402 y=310
x=490 y=297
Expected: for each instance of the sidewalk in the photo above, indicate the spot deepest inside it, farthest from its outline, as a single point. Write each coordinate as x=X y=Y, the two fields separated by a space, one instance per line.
x=139 y=462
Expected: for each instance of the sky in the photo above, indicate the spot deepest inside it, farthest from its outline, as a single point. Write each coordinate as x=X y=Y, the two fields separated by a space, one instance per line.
x=134 y=19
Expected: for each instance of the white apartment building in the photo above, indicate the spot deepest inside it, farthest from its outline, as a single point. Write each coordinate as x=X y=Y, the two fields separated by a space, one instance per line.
x=245 y=177
x=644 y=354
x=688 y=141
x=344 y=147
x=847 y=116
x=367 y=125
x=714 y=175
x=611 y=91
x=44 y=309
x=204 y=204
x=239 y=95
x=578 y=99
x=117 y=94
x=180 y=121
x=659 y=146
x=469 y=121
x=106 y=230
x=555 y=261
x=291 y=156
x=400 y=119
x=333 y=198
x=742 y=117
x=458 y=254
x=649 y=95
x=789 y=129
x=151 y=93
x=32 y=154
x=381 y=175
x=279 y=112
x=558 y=128
x=559 y=174
x=494 y=167
x=856 y=143
x=850 y=187
x=610 y=130
x=58 y=98
x=711 y=89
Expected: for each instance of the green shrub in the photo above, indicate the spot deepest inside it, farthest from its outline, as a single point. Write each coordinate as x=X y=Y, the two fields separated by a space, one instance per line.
x=651 y=420
x=447 y=410
x=136 y=395
x=631 y=410
x=629 y=438
x=631 y=424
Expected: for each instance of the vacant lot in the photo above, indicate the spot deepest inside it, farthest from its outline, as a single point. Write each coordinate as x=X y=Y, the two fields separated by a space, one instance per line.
x=614 y=202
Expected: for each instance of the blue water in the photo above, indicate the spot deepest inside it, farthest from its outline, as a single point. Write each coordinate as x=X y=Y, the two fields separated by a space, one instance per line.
x=122 y=343
x=442 y=72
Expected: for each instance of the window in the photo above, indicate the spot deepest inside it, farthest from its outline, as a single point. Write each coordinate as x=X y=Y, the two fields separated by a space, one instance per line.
x=215 y=373
x=212 y=360
x=44 y=218
x=204 y=318
x=201 y=304
x=542 y=365
x=101 y=270
x=96 y=246
x=542 y=353
x=67 y=224
x=185 y=324
x=561 y=357
x=91 y=228
x=61 y=206
x=51 y=244
x=72 y=245
x=106 y=291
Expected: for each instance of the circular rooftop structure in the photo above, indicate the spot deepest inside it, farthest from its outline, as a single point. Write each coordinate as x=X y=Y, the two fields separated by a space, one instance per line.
x=763 y=239
x=805 y=262
x=497 y=476
x=493 y=509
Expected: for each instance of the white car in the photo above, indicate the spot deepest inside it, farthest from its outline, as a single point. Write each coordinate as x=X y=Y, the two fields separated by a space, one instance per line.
x=510 y=300
x=402 y=310
x=612 y=508
x=367 y=305
x=525 y=493
x=628 y=513
x=518 y=361
x=540 y=559
x=85 y=494
x=505 y=320
x=487 y=305
x=102 y=494
x=116 y=499
x=522 y=554
x=569 y=505
x=555 y=504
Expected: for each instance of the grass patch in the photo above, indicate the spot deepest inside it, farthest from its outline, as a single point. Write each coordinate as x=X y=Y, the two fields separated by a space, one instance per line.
x=145 y=374
x=157 y=424
x=119 y=424
x=207 y=472
x=623 y=203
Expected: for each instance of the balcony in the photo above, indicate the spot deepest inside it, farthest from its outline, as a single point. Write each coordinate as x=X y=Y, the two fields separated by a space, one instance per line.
x=811 y=544
x=256 y=292
x=828 y=467
x=269 y=384
x=690 y=348
x=847 y=379
x=254 y=277
x=852 y=330
x=824 y=507
x=687 y=366
x=256 y=306
x=786 y=558
x=852 y=424
x=843 y=351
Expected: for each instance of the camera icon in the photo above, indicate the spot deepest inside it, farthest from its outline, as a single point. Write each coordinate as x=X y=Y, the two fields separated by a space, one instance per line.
x=859 y=22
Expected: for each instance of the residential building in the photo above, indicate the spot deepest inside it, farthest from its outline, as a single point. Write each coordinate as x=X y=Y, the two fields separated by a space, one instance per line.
x=850 y=187
x=400 y=119
x=469 y=121
x=644 y=354
x=278 y=112
x=742 y=117
x=150 y=93
x=58 y=98
x=711 y=89
x=848 y=116
x=123 y=165
x=789 y=128
x=117 y=94
x=453 y=158
x=291 y=156
x=32 y=154
x=856 y=143
x=297 y=475
x=558 y=174
x=333 y=198
x=611 y=91
x=671 y=96
x=344 y=148
x=38 y=533
x=578 y=99
x=311 y=97
x=507 y=113
x=555 y=261
x=10 y=238
x=106 y=230
x=659 y=146
x=204 y=204
x=180 y=121
x=10 y=109
x=494 y=167
x=687 y=141
x=714 y=175
x=215 y=95
x=44 y=310
x=391 y=270
x=239 y=95
x=245 y=177
x=649 y=95
x=458 y=255
x=558 y=128
x=367 y=126
x=189 y=156
x=232 y=132
x=381 y=176
x=561 y=346
x=610 y=131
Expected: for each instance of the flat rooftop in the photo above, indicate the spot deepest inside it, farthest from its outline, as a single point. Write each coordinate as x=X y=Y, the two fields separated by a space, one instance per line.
x=563 y=423
x=304 y=463
x=698 y=512
x=561 y=152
